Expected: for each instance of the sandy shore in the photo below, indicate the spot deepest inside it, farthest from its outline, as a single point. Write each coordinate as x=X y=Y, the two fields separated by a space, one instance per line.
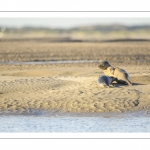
x=70 y=88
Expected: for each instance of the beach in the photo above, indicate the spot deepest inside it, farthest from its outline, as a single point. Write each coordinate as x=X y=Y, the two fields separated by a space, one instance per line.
x=31 y=78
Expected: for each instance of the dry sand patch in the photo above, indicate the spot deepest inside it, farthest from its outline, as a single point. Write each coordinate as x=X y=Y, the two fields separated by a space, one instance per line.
x=71 y=89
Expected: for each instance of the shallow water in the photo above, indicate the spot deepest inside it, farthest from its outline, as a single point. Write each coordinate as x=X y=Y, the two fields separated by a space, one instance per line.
x=22 y=123
x=52 y=62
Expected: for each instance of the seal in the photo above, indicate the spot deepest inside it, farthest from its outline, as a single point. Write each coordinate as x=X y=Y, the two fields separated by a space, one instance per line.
x=120 y=75
x=105 y=81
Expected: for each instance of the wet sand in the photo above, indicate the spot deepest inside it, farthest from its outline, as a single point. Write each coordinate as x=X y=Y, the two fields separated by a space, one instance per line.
x=72 y=87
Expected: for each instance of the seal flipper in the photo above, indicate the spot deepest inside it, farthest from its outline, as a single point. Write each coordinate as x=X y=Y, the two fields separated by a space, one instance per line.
x=127 y=79
x=111 y=86
x=129 y=83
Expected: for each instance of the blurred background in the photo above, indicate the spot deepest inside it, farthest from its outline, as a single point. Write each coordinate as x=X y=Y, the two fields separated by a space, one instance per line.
x=76 y=28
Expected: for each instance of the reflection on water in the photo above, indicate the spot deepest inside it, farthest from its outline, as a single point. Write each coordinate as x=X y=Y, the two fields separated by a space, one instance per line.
x=73 y=124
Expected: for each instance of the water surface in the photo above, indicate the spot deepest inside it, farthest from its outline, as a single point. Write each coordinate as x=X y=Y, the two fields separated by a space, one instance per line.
x=22 y=123
x=51 y=62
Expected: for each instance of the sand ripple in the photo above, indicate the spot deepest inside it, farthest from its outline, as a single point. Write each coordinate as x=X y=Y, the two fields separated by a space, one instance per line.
x=70 y=90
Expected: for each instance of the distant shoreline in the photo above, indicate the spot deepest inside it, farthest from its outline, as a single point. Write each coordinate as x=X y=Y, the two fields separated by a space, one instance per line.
x=76 y=40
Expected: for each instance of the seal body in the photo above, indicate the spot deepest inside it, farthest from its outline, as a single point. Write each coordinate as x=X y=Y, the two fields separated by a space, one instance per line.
x=119 y=74
x=105 y=81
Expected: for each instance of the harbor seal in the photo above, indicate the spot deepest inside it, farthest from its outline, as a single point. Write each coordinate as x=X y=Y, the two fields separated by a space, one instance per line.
x=105 y=81
x=120 y=75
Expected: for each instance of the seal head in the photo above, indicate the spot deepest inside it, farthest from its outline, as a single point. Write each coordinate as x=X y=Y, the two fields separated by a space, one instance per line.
x=104 y=65
x=105 y=81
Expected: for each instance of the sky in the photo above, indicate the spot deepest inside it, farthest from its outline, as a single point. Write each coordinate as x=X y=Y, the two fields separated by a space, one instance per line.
x=66 y=23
